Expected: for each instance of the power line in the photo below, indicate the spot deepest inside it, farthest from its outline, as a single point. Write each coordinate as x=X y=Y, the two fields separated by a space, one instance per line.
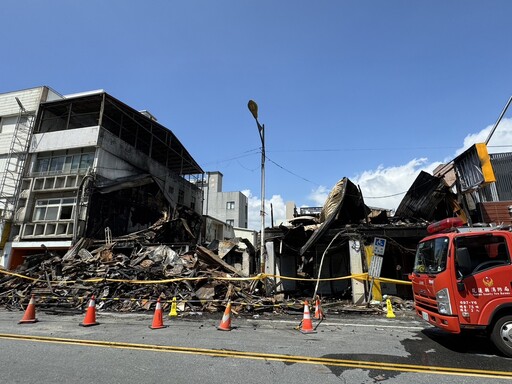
x=290 y=172
x=383 y=197
x=358 y=149
x=247 y=153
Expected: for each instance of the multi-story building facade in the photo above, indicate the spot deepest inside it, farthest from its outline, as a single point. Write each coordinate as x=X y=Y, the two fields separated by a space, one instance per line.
x=95 y=164
x=17 y=116
x=229 y=207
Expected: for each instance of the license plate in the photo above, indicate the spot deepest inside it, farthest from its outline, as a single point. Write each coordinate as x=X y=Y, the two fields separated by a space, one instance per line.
x=425 y=315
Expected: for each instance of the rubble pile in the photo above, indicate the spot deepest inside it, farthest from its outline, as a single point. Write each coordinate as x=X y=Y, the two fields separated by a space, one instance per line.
x=129 y=274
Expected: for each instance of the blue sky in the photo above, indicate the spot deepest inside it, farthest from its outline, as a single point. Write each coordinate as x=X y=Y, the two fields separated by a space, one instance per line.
x=370 y=90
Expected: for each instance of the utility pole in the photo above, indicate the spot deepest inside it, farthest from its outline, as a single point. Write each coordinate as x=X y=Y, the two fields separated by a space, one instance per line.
x=253 y=107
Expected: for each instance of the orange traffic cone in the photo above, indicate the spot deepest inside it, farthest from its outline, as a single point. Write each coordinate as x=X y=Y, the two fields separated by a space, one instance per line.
x=307 y=324
x=225 y=323
x=158 y=318
x=30 y=312
x=319 y=314
x=90 y=315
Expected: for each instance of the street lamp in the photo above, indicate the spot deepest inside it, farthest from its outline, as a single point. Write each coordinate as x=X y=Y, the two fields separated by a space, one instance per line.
x=253 y=107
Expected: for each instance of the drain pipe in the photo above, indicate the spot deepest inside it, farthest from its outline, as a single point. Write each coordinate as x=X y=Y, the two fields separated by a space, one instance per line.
x=77 y=207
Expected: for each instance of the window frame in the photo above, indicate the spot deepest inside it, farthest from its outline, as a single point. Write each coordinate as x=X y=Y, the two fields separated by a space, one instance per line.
x=59 y=205
x=62 y=163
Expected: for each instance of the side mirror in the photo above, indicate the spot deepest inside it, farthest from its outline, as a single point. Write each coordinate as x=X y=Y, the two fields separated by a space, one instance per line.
x=461 y=286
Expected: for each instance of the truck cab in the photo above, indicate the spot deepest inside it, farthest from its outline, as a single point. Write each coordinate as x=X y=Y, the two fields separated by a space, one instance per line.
x=462 y=279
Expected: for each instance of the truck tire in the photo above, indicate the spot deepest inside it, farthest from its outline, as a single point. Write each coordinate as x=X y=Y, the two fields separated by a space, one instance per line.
x=501 y=335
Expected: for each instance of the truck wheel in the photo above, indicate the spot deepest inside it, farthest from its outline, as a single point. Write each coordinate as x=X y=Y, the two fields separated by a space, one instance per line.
x=501 y=335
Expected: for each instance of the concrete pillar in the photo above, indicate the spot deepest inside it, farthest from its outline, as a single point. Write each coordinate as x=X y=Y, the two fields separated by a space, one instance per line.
x=356 y=267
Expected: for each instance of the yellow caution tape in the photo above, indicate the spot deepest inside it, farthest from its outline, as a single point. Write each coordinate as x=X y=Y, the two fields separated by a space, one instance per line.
x=17 y=275
x=261 y=276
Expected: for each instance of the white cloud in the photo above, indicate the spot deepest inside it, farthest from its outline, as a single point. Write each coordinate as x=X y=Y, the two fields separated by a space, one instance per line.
x=501 y=139
x=319 y=195
x=386 y=187
x=274 y=207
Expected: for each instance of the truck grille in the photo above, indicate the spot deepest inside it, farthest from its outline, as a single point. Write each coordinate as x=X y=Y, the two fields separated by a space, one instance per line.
x=425 y=303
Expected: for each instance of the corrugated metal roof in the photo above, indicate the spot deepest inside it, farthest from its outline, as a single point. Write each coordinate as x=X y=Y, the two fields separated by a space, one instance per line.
x=347 y=207
x=427 y=198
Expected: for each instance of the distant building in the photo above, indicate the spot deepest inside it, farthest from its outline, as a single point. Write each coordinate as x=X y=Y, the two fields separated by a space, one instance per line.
x=229 y=207
x=292 y=211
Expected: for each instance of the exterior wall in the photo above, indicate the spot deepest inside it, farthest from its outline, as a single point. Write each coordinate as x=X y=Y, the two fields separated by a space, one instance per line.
x=215 y=181
x=217 y=207
x=117 y=159
x=9 y=110
x=497 y=212
x=248 y=234
x=37 y=186
x=216 y=230
x=290 y=210
x=29 y=98
x=13 y=164
x=74 y=138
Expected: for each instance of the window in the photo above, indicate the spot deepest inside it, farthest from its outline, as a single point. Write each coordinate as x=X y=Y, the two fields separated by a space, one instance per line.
x=230 y=222
x=71 y=114
x=431 y=256
x=85 y=113
x=181 y=196
x=474 y=254
x=54 y=209
x=230 y=205
x=54 y=118
x=53 y=164
x=7 y=124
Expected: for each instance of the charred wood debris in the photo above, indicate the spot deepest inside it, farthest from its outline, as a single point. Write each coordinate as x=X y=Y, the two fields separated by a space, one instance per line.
x=131 y=272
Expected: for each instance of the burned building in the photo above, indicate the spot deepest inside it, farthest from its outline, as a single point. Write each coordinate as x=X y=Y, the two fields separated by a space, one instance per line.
x=339 y=244
x=97 y=168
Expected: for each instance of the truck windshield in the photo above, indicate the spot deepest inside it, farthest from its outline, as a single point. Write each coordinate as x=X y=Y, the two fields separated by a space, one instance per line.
x=431 y=256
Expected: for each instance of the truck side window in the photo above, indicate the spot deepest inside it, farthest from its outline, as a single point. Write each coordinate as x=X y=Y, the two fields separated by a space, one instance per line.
x=502 y=252
x=478 y=253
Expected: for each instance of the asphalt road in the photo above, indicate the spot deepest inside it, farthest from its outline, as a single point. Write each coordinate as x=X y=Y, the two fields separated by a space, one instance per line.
x=260 y=349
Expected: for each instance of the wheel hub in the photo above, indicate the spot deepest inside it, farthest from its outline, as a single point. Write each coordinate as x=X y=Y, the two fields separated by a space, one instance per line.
x=506 y=333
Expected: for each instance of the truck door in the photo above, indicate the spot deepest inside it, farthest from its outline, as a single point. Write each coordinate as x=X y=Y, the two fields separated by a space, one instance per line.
x=482 y=266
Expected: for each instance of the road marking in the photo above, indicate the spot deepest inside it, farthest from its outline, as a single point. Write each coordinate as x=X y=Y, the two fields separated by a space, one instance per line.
x=417 y=328
x=436 y=370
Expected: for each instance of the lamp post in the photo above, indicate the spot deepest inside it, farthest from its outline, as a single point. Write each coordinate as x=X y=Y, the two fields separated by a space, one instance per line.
x=253 y=107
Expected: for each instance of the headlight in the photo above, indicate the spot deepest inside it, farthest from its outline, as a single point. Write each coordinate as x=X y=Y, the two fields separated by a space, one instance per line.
x=443 y=302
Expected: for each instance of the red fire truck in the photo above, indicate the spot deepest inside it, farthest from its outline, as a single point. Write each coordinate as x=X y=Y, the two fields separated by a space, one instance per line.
x=462 y=280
